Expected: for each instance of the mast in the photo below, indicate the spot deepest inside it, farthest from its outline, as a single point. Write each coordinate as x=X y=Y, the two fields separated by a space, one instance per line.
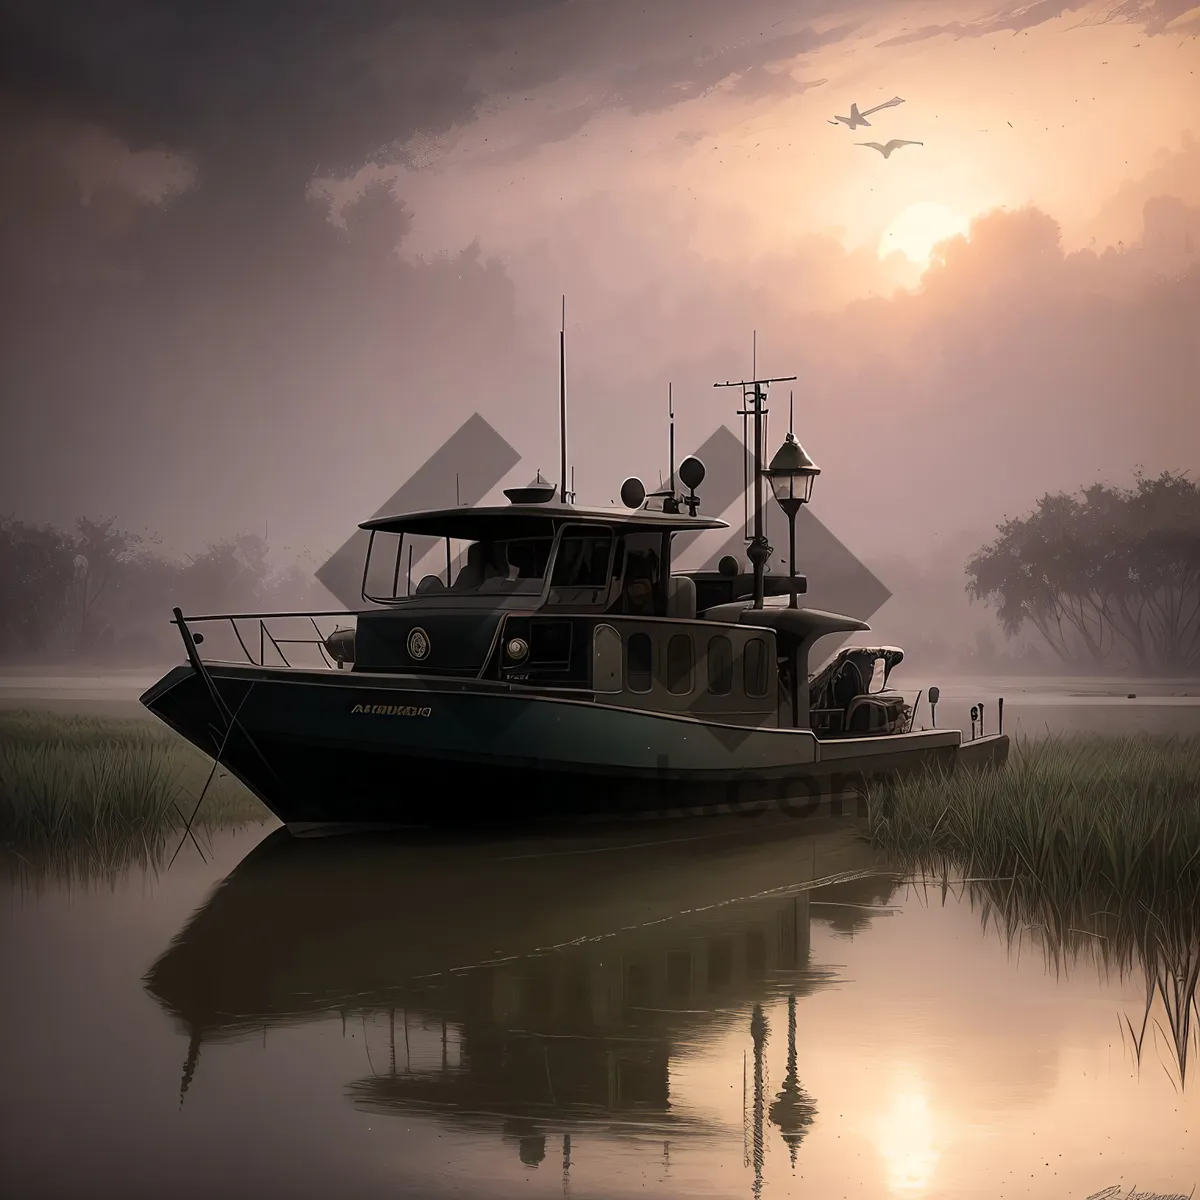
x=671 y=420
x=562 y=403
x=754 y=394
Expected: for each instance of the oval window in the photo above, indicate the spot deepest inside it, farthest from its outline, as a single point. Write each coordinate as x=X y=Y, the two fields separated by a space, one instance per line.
x=679 y=665
x=754 y=666
x=720 y=665
x=639 y=662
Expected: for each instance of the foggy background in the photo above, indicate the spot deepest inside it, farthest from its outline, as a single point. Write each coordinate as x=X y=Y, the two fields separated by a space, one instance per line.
x=260 y=262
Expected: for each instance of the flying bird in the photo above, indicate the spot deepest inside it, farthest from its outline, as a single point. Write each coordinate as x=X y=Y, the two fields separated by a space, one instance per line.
x=855 y=119
x=894 y=144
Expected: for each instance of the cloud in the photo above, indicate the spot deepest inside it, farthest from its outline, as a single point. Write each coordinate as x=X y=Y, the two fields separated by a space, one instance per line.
x=1007 y=20
x=1152 y=15
x=327 y=84
x=1015 y=368
x=1174 y=173
x=293 y=87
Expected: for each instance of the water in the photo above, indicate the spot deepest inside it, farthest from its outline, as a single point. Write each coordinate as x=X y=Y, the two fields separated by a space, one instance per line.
x=732 y=1010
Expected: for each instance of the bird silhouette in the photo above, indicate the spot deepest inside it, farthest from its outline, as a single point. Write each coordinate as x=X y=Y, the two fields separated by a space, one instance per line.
x=894 y=144
x=856 y=118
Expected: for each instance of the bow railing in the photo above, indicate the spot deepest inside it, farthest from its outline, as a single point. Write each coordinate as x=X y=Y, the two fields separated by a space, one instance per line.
x=262 y=644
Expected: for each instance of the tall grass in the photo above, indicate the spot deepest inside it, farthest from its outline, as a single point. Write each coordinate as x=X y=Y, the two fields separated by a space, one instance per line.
x=96 y=795
x=1090 y=844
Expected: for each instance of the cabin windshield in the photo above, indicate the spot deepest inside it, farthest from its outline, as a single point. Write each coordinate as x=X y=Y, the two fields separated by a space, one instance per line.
x=514 y=567
x=594 y=567
x=401 y=567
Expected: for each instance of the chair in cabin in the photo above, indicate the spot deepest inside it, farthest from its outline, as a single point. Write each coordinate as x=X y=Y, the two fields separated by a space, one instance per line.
x=472 y=573
x=681 y=598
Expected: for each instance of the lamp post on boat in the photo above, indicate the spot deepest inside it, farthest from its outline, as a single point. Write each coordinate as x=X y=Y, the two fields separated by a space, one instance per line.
x=791 y=474
x=759 y=551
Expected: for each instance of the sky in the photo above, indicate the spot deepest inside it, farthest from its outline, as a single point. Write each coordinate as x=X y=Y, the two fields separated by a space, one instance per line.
x=220 y=320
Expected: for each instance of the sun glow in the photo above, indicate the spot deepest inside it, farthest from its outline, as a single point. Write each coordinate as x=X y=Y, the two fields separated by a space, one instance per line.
x=906 y=1141
x=919 y=228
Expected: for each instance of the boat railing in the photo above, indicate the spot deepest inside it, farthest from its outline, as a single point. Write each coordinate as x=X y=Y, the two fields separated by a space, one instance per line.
x=247 y=632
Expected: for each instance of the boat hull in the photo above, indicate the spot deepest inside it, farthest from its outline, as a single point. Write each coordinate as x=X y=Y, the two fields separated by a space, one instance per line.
x=329 y=751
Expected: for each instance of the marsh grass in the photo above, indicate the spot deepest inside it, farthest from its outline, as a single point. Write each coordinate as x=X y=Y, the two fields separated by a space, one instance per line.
x=1089 y=846
x=93 y=795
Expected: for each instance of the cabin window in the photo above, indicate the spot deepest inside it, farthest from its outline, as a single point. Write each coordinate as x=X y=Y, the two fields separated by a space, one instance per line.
x=720 y=665
x=384 y=575
x=639 y=573
x=754 y=667
x=512 y=566
x=581 y=568
x=639 y=662
x=606 y=659
x=550 y=643
x=878 y=675
x=679 y=665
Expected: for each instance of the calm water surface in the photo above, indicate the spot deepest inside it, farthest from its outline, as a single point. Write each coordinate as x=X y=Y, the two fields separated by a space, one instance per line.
x=735 y=1009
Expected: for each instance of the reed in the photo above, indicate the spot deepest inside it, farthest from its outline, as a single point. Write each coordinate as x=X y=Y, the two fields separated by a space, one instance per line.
x=1089 y=845
x=105 y=791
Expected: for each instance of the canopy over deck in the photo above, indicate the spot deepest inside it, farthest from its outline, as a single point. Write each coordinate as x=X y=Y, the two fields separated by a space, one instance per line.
x=503 y=521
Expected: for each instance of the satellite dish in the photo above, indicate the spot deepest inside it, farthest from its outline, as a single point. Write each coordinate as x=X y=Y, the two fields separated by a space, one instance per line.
x=633 y=492
x=691 y=472
x=728 y=566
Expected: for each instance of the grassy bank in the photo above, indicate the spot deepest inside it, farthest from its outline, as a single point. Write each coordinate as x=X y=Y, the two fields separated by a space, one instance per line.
x=1065 y=811
x=1088 y=847
x=105 y=790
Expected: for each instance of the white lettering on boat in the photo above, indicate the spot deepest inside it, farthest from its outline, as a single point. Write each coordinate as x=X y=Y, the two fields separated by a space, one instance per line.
x=392 y=710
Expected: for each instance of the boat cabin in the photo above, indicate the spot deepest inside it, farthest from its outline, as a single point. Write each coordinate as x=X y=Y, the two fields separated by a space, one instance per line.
x=578 y=600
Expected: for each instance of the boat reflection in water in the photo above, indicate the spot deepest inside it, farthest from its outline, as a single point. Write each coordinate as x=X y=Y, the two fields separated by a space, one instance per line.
x=566 y=983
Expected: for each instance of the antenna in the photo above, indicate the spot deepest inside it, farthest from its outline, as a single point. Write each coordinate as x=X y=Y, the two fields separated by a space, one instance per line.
x=753 y=395
x=791 y=410
x=671 y=419
x=457 y=497
x=572 y=483
x=562 y=403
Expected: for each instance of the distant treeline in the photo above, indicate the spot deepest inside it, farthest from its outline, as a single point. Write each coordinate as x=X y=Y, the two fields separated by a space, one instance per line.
x=99 y=593
x=1108 y=578
x=1105 y=580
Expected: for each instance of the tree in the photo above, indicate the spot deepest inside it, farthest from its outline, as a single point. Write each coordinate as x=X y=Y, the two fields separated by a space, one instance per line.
x=232 y=574
x=36 y=575
x=1111 y=576
x=101 y=552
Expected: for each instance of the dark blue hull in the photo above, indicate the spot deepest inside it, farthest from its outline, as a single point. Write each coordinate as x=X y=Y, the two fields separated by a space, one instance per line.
x=334 y=749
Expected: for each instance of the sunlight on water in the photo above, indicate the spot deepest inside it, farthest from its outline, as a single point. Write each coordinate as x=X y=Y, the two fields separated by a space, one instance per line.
x=905 y=1139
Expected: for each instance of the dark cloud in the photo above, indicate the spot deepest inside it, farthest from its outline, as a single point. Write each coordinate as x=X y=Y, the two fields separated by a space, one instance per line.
x=306 y=86
x=653 y=86
x=326 y=83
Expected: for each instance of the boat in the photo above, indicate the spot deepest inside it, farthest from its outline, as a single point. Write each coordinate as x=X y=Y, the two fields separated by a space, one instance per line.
x=560 y=667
